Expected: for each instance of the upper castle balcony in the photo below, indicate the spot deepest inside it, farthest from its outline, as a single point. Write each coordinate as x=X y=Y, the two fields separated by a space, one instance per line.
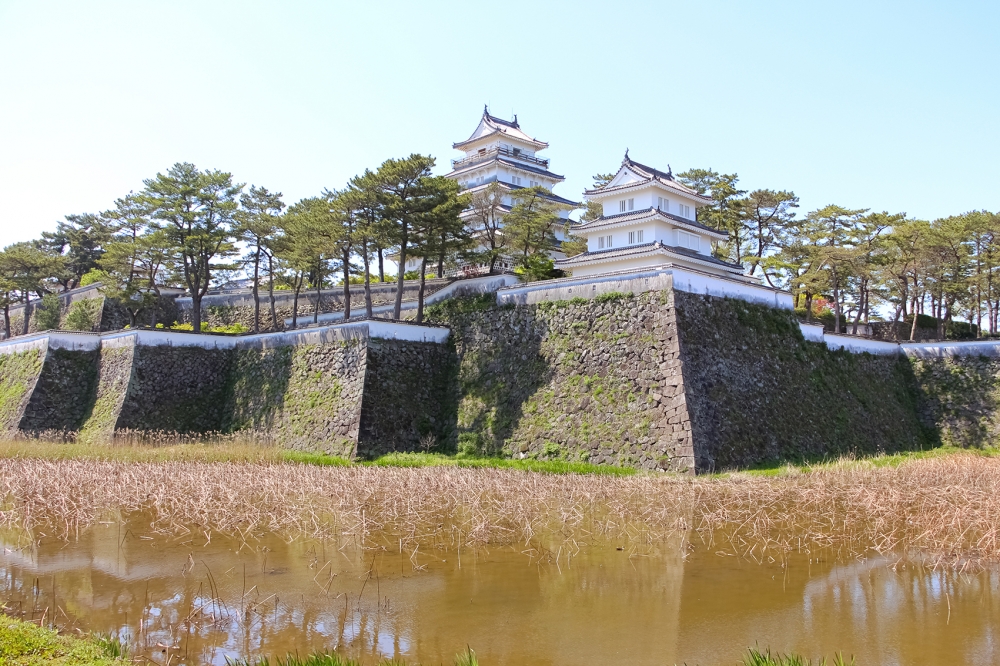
x=487 y=154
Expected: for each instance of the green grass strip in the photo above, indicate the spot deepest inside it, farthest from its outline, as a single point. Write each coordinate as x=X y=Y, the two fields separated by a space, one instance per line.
x=27 y=644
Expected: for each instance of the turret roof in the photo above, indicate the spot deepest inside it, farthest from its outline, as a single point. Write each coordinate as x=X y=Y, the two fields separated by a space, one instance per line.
x=655 y=247
x=635 y=216
x=646 y=175
x=490 y=125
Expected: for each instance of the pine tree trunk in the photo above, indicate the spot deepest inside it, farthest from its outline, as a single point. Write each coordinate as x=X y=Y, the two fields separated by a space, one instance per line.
x=196 y=313
x=270 y=294
x=27 y=316
x=399 y=278
x=347 y=285
x=420 y=292
x=368 y=282
x=295 y=302
x=319 y=301
x=836 y=305
x=381 y=265
x=256 y=292
x=6 y=320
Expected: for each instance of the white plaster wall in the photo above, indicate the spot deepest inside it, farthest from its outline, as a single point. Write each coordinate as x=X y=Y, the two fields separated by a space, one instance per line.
x=708 y=285
x=334 y=333
x=812 y=332
x=859 y=345
x=54 y=340
x=648 y=197
x=28 y=343
x=656 y=278
x=945 y=349
x=653 y=230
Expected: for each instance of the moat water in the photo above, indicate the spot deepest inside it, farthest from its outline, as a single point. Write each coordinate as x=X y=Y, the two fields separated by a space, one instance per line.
x=190 y=600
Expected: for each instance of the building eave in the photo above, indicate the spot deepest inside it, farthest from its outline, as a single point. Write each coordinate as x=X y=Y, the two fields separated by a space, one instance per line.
x=507 y=163
x=645 y=250
x=534 y=143
x=632 y=218
x=604 y=192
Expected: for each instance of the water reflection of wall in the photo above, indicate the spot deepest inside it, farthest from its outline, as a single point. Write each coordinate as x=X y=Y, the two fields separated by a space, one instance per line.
x=305 y=596
x=879 y=614
x=600 y=606
x=513 y=611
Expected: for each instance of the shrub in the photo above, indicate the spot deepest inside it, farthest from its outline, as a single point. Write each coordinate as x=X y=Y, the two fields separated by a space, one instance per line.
x=47 y=314
x=84 y=315
x=470 y=444
x=92 y=276
x=611 y=296
x=537 y=267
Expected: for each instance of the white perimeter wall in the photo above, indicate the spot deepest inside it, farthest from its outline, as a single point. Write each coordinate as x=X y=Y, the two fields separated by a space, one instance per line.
x=639 y=281
x=357 y=330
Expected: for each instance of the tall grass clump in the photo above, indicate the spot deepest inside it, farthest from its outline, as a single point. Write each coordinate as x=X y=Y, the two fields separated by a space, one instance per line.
x=755 y=657
x=467 y=658
x=945 y=510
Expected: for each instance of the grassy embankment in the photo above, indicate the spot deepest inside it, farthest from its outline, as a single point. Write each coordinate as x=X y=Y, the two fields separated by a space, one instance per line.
x=27 y=644
x=238 y=452
x=235 y=451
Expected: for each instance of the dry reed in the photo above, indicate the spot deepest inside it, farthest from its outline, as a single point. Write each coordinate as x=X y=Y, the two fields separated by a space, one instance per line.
x=946 y=509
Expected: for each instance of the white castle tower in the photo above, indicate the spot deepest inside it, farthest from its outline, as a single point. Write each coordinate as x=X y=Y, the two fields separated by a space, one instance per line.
x=500 y=151
x=648 y=221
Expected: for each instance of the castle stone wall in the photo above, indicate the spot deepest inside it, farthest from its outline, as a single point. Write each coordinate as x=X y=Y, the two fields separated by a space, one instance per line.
x=672 y=380
x=305 y=397
x=114 y=376
x=597 y=380
x=408 y=398
x=757 y=391
x=176 y=389
x=20 y=369
x=960 y=397
x=64 y=391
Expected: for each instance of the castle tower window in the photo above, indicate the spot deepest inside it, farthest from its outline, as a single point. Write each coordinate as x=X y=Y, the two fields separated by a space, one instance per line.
x=663 y=204
x=685 y=211
x=690 y=241
x=621 y=206
x=635 y=237
x=603 y=242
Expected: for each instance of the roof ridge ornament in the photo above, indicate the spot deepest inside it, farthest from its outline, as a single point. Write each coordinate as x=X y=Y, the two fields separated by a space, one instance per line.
x=486 y=109
x=626 y=160
x=670 y=172
x=515 y=120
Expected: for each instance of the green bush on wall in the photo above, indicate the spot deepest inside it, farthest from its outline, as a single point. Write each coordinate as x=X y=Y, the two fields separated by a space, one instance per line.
x=47 y=315
x=84 y=315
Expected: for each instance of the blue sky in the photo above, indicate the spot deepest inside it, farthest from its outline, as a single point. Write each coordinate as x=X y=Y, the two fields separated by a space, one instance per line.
x=884 y=105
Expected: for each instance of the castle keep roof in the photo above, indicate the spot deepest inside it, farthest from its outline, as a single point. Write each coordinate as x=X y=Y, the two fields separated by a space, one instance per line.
x=491 y=125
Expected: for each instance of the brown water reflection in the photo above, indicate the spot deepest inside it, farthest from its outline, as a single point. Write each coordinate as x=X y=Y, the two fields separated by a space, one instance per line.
x=268 y=596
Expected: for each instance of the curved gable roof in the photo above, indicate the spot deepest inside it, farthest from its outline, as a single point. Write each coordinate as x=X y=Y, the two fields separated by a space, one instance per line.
x=633 y=174
x=490 y=125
